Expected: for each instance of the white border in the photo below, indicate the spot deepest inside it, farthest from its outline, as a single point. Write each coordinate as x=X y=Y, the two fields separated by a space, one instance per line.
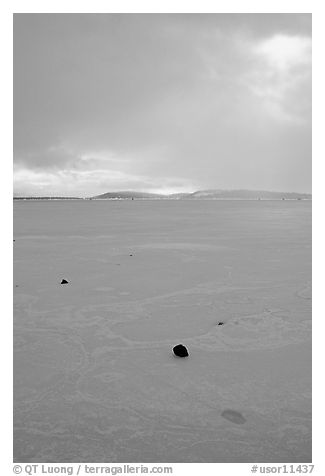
x=167 y=6
x=160 y=6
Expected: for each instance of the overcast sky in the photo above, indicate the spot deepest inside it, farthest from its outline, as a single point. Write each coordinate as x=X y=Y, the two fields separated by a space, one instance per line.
x=161 y=102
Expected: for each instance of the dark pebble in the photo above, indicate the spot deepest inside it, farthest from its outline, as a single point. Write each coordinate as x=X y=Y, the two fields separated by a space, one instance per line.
x=64 y=281
x=220 y=323
x=180 y=350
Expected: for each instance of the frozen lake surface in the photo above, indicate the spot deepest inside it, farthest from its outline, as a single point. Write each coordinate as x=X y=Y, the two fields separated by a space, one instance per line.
x=94 y=375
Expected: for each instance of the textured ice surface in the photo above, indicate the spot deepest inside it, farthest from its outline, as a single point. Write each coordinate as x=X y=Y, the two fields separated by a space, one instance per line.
x=95 y=378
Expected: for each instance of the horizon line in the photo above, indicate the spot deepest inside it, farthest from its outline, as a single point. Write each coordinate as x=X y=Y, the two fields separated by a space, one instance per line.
x=60 y=195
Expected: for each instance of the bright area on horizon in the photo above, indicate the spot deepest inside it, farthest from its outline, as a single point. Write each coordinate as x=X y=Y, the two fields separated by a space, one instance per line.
x=161 y=103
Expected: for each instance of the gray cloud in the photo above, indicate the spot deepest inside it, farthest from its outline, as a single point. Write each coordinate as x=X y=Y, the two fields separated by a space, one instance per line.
x=162 y=102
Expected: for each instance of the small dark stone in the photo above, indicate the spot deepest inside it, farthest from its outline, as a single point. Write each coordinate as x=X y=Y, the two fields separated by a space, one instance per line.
x=180 y=350
x=64 y=281
x=130 y=255
x=14 y=240
x=220 y=323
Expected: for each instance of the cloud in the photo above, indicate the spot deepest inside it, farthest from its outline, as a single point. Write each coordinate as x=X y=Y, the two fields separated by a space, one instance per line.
x=281 y=77
x=161 y=101
x=64 y=181
x=285 y=52
x=90 y=177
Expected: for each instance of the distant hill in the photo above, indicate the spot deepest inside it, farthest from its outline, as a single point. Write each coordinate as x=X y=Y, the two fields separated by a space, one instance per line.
x=128 y=195
x=198 y=195
x=246 y=195
x=208 y=195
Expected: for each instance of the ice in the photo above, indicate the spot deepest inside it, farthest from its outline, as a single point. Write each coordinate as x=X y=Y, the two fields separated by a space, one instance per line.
x=95 y=378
